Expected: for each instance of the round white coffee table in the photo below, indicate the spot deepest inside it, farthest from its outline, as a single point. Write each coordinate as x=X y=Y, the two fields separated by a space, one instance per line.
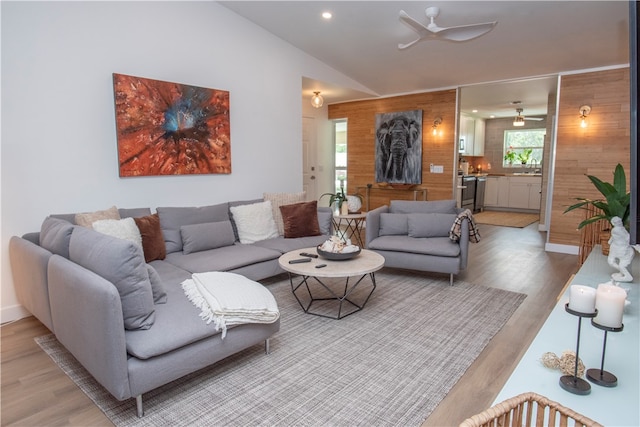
x=314 y=291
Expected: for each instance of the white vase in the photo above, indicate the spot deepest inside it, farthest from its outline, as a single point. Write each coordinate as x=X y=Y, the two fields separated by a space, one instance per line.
x=354 y=203
x=344 y=209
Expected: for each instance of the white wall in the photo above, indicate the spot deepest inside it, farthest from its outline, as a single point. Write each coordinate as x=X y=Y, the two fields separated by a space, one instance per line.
x=58 y=126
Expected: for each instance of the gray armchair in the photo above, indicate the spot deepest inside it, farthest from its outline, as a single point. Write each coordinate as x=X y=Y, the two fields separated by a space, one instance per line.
x=415 y=235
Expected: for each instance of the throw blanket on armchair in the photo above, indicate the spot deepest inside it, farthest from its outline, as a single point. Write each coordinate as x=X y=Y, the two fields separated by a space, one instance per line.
x=230 y=299
x=474 y=233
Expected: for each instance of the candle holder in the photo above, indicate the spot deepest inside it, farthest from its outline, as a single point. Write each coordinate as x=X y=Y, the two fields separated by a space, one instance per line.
x=572 y=383
x=600 y=376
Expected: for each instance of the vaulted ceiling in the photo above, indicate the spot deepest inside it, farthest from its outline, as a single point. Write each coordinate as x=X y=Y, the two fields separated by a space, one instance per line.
x=531 y=39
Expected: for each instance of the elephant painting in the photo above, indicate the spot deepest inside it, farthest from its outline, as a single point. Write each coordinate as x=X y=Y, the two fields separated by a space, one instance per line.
x=399 y=147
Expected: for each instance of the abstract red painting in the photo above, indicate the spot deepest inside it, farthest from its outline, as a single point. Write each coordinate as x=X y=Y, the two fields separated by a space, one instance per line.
x=168 y=128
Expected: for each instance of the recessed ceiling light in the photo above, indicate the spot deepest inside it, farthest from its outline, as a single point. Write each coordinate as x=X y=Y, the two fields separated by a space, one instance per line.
x=326 y=15
x=474 y=111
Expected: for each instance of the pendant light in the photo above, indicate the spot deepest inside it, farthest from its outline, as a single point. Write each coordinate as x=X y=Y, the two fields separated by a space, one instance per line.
x=519 y=120
x=316 y=100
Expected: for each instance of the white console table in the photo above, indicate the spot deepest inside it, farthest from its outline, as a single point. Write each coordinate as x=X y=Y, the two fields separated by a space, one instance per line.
x=615 y=406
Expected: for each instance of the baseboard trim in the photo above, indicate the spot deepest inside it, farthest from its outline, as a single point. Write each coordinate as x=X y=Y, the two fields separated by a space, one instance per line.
x=563 y=249
x=12 y=313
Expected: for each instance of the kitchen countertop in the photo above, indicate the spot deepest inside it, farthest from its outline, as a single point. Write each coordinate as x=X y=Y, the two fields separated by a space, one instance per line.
x=502 y=174
x=515 y=174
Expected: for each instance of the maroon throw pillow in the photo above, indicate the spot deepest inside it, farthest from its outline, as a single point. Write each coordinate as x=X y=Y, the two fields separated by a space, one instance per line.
x=152 y=239
x=300 y=219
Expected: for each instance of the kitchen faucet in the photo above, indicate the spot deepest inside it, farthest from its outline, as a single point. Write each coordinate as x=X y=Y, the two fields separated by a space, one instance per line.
x=534 y=165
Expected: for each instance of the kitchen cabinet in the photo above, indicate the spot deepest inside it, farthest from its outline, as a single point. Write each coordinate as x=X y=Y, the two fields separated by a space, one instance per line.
x=497 y=191
x=517 y=192
x=478 y=137
x=467 y=132
x=524 y=192
x=471 y=136
x=491 y=191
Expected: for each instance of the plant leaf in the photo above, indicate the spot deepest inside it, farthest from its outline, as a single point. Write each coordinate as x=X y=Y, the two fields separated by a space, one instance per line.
x=620 y=180
x=591 y=220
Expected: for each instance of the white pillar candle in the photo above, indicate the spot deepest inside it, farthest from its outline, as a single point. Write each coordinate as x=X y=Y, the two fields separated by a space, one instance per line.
x=610 y=304
x=582 y=299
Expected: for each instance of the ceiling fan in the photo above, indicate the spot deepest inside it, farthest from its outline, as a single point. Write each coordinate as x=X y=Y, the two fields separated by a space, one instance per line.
x=519 y=119
x=458 y=33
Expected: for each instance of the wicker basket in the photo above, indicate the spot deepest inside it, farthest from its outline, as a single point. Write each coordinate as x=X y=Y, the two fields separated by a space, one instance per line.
x=528 y=409
x=593 y=234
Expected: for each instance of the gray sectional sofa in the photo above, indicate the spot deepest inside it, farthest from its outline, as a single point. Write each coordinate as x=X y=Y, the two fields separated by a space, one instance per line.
x=119 y=308
x=415 y=235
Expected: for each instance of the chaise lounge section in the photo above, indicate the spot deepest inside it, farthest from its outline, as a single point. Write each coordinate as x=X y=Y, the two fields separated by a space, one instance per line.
x=119 y=307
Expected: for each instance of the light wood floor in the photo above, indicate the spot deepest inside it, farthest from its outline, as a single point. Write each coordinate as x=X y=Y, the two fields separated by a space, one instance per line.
x=36 y=392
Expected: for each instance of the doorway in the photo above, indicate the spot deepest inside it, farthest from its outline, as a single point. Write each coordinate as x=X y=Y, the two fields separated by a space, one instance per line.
x=309 y=160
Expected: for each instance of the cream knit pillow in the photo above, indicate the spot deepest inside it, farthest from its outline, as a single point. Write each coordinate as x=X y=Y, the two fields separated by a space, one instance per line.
x=87 y=218
x=254 y=222
x=121 y=228
x=282 y=199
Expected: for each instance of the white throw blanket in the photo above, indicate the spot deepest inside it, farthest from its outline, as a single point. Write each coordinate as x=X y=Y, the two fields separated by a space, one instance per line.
x=230 y=299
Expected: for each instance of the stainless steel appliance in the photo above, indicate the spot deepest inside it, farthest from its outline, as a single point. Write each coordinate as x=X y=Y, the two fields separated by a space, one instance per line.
x=468 y=192
x=481 y=182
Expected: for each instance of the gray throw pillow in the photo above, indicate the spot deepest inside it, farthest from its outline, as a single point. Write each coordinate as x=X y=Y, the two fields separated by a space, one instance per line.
x=171 y=219
x=121 y=262
x=209 y=235
x=157 y=286
x=432 y=206
x=393 y=224
x=325 y=216
x=430 y=224
x=55 y=235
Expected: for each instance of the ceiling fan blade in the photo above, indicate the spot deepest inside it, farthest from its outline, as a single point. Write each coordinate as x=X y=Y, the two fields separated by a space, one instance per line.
x=406 y=45
x=415 y=25
x=465 y=32
x=536 y=119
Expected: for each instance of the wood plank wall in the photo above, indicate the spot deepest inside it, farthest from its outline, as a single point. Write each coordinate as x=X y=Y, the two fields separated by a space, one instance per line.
x=438 y=150
x=595 y=150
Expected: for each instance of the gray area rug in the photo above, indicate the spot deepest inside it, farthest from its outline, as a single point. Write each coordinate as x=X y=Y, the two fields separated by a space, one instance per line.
x=389 y=364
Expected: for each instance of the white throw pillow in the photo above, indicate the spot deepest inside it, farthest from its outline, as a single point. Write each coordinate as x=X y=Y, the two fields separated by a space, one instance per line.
x=121 y=228
x=254 y=222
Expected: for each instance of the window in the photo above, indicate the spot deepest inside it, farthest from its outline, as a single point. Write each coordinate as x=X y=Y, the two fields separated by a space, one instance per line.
x=518 y=142
x=340 y=138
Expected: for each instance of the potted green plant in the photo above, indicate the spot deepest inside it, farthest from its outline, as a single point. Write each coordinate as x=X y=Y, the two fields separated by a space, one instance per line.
x=336 y=198
x=615 y=201
x=525 y=155
x=510 y=156
x=339 y=197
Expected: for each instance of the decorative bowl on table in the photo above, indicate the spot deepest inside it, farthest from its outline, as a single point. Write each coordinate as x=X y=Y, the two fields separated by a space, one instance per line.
x=337 y=256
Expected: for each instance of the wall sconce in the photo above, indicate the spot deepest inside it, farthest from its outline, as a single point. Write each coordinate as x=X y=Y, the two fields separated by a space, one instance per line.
x=437 y=122
x=316 y=100
x=584 y=112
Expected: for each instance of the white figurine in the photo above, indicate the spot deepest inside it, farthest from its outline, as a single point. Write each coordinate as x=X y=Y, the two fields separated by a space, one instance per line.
x=620 y=252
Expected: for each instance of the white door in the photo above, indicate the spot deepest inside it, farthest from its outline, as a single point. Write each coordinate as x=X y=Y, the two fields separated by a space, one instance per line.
x=309 y=167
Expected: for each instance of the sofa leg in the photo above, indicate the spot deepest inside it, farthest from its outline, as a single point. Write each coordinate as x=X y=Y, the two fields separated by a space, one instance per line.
x=451 y=279
x=139 y=406
x=267 y=350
